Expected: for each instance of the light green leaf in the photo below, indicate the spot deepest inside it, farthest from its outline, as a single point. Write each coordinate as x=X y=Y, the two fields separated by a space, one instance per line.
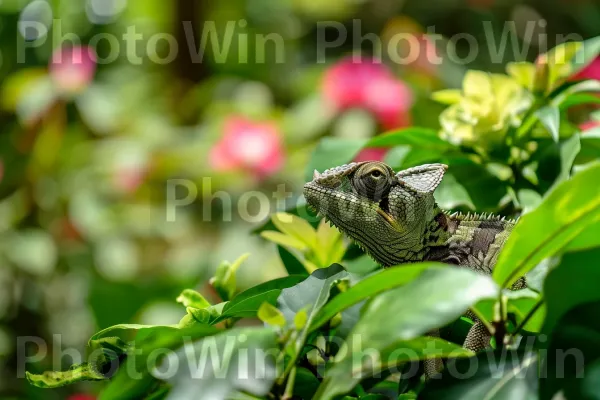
x=447 y=96
x=54 y=379
x=549 y=116
x=300 y=319
x=587 y=239
x=207 y=315
x=191 y=298
x=568 y=152
x=271 y=315
x=563 y=215
x=224 y=280
x=296 y=227
x=330 y=246
x=284 y=240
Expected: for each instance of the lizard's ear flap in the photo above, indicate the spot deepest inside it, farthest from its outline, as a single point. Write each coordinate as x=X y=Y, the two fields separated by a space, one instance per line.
x=422 y=179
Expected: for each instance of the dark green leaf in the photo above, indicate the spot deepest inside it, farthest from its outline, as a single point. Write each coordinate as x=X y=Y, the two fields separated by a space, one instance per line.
x=220 y=365
x=574 y=345
x=573 y=282
x=133 y=379
x=393 y=321
x=491 y=375
x=292 y=265
x=377 y=283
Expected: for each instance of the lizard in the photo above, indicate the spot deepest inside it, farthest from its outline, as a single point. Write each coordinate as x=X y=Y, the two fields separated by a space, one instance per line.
x=394 y=217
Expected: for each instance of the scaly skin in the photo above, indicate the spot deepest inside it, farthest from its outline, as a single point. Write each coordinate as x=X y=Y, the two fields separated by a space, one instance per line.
x=395 y=219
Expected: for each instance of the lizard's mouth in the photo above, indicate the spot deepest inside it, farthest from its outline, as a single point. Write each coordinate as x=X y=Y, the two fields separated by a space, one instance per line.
x=386 y=216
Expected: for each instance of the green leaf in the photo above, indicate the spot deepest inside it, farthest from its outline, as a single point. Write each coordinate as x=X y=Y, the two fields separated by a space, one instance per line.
x=207 y=315
x=224 y=280
x=113 y=330
x=234 y=360
x=577 y=88
x=300 y=319
x=549 y=116
x=377 y=283
x=563 y=215
x=271 y=315
x=568 y=152
x=133 y=379
x=577 y=99
x=587 y=239
x=308 y=297
x=311 y=294
x=332 y=152
x=497 y=376
x=54 y=379
x=573 y=349
x=573 y=282
x=306 y=383
x=393 y=321
x=422 y=138
x=191 y=298
x=247 y=303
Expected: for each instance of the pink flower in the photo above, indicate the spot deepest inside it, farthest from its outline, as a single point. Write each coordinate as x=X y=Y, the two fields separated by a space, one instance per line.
x=250 y=145
x=591 y=71
x=369 y=85
x=588 y=125
x=371 y=154
x=73 y=68
x=129 y=179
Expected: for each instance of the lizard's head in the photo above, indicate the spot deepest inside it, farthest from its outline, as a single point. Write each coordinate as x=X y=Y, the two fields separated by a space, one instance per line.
x=385 y=212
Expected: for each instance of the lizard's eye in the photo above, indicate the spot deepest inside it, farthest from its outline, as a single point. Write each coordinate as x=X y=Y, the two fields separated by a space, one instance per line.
x=372 y=182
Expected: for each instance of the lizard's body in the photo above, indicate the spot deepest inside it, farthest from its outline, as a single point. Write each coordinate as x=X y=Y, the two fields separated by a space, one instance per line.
x=395 y=219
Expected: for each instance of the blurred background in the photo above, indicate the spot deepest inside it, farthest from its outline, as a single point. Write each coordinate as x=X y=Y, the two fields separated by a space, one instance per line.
x=110 y=114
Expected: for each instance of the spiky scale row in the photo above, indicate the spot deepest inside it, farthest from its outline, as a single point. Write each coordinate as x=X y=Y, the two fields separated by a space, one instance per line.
x=478 y=217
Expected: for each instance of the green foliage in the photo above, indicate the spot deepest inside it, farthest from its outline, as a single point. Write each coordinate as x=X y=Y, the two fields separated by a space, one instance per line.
x=512 y=149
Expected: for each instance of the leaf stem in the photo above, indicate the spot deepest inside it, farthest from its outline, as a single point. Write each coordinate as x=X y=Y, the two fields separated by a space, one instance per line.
x=531 y=313
x=289 y=387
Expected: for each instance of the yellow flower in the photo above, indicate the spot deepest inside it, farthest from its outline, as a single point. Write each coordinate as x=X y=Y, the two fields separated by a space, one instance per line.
x=483 y=110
